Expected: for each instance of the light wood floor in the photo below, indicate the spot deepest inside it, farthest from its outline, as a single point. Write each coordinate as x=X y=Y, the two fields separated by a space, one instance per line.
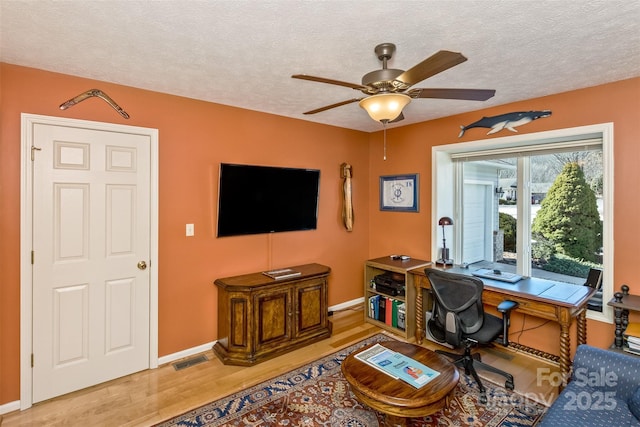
x=156 y=395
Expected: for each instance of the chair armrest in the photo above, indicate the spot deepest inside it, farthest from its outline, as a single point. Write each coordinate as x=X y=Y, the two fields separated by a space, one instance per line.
x=606 y=370
x=506 y=306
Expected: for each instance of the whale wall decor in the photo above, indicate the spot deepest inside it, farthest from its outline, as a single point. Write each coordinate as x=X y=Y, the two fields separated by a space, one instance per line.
x=506 y=121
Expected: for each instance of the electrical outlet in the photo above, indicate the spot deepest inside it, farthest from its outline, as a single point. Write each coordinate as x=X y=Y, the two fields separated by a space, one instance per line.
x=190 y=230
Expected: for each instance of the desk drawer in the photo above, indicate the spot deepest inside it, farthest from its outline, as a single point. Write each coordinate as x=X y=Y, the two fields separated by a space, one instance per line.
x=490 y=297
x=525 y=305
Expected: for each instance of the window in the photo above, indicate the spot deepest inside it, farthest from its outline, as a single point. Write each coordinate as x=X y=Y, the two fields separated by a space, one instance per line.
x=503 y=184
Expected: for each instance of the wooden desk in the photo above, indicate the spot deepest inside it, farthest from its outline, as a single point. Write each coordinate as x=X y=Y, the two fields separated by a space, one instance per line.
x=560 y=302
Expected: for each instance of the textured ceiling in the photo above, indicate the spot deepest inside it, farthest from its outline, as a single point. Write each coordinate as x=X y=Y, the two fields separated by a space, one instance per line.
x=242 y=53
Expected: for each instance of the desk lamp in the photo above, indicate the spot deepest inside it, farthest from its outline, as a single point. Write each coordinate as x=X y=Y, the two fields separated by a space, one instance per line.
x=444 y=259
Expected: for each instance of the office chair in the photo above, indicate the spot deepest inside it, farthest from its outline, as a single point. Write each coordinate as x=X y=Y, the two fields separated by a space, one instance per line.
x=458 y=318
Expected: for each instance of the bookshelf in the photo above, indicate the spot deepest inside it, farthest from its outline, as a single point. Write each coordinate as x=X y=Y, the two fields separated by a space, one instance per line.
x=399 y=269
x=622 y=303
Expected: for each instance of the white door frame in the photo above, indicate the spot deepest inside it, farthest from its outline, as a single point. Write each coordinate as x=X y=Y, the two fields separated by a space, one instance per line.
x=26 y=238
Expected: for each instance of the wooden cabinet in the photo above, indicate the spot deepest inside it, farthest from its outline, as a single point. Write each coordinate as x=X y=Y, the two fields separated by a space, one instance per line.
x=260 y=317
x=399 y=269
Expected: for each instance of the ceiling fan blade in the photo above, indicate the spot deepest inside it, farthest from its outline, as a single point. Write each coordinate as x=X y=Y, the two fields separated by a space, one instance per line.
x=470 y=94
x=436 y=63
x=330 y=81
x=337 y=104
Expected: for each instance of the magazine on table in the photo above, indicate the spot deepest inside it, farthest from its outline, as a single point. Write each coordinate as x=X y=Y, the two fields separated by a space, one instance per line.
x=283 y=273
x=397 y=365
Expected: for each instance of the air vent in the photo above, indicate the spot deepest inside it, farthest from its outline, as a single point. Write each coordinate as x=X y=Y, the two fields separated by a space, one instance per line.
x=189 y=362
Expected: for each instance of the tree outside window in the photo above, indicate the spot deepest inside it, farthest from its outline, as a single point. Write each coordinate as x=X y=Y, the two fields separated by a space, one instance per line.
x=567 y=229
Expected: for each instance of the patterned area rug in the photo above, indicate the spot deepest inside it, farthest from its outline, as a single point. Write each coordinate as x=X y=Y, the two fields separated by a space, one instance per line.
x=318 y=395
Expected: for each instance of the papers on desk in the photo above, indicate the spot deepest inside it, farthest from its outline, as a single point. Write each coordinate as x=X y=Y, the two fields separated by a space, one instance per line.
x=492 y=274
x=397 y=365
x=562 y=293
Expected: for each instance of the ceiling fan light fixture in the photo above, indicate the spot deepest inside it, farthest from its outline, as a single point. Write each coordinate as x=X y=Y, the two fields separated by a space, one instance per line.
x=385 y=107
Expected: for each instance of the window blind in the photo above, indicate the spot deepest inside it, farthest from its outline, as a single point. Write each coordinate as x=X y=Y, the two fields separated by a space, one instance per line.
x=590 y=144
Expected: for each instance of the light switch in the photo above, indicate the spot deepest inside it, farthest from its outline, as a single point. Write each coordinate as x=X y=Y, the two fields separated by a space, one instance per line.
x=190 y=230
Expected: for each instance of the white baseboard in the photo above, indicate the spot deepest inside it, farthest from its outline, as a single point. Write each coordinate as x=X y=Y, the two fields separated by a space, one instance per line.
x=185 y=353
x=347 y=304
x=9 y=407
x=206 y=347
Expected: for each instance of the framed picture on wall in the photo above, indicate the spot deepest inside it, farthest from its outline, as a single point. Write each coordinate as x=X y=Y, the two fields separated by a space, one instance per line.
x=399 y=193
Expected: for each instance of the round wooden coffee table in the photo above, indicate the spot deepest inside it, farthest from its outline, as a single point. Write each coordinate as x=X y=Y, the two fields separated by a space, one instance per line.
x=394 y=397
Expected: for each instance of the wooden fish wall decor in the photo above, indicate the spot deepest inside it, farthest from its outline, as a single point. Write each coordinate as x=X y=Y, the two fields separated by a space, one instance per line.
x=347 y=206
x=506 y=121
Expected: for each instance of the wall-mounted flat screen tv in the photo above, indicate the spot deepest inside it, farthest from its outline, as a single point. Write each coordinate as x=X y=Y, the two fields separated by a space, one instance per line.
x=266 y=199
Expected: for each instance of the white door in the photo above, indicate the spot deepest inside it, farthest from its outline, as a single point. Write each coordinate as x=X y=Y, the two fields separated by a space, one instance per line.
x=476 y=223
x=91 y=251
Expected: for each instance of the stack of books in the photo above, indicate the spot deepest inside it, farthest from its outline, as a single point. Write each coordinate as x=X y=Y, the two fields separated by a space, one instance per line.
x=632 y=338
x=387 y=310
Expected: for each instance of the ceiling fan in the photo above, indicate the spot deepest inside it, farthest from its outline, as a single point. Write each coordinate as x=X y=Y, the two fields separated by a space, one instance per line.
x=390 y=90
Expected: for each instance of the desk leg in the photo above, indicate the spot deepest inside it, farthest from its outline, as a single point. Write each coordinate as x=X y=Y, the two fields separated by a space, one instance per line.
x=564 y=319
x=419 y=314
x=582 y=327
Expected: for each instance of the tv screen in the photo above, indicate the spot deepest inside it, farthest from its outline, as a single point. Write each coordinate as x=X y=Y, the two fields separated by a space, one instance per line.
x=264 y=199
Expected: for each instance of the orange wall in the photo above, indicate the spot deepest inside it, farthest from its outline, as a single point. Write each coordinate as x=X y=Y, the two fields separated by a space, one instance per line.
x=409 y=151
x=194 y=137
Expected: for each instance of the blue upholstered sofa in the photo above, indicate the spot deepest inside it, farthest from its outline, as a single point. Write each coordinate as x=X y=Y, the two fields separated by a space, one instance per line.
x=604 y=391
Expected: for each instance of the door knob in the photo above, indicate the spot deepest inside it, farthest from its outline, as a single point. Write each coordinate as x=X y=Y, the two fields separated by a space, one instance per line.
x=142 y=265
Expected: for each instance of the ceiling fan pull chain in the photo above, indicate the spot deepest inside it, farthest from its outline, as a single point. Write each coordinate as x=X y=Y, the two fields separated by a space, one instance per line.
x=384 y=150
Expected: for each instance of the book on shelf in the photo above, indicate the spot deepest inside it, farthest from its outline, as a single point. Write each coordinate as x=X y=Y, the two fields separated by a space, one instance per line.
x=389 y=311
x=394 y=312
x=382 y=305
x=633 y=340
x=632 y=330
x=397 y=365
x=388 y=315
x=633 y=343
x=402 y=316
x=373 y=306
x=632 y=350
